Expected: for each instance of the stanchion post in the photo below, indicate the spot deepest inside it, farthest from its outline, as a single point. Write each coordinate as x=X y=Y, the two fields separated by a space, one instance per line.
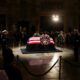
x=60 y=58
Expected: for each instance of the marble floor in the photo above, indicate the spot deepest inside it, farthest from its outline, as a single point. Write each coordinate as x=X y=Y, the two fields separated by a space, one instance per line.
x=41 y=65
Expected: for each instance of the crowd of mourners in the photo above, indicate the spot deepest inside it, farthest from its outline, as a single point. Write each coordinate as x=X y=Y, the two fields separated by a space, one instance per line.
x=60 y=37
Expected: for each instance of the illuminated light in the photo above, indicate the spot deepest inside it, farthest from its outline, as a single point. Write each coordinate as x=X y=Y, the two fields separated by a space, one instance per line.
x=55 y=18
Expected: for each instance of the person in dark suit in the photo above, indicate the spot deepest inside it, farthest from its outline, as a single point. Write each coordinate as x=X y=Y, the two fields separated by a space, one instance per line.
x=12 y=71
x=76 y=44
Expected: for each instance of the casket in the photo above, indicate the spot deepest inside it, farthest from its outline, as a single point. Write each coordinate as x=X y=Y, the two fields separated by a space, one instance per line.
x=38 y=43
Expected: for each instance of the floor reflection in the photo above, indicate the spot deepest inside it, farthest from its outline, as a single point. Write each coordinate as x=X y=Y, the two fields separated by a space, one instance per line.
x=39 y=63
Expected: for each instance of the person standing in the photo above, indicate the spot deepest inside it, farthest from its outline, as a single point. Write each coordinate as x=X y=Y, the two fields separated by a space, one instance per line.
x=76 y=44
x=4 y=38
x=61 y=39
x=13 y=72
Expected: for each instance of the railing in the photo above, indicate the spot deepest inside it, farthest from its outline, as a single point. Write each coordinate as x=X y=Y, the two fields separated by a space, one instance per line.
x=44 y=73
x=60 y=60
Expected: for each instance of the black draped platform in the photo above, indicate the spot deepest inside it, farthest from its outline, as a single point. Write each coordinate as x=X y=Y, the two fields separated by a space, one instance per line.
x=26 y=51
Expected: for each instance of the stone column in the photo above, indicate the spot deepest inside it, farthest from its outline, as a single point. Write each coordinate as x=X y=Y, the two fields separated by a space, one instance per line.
x=37 y=24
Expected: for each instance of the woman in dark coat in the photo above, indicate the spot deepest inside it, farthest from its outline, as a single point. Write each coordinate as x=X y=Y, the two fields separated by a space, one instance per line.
x=12 y=71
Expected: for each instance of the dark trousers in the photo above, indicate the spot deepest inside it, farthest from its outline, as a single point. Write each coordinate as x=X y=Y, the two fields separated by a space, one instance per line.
x=76 y=54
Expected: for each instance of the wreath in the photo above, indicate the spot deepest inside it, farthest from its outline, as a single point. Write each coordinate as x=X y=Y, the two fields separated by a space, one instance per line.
x=45 y=40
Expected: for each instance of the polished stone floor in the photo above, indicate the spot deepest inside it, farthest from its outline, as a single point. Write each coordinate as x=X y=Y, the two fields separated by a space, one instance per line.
x=41 y=65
